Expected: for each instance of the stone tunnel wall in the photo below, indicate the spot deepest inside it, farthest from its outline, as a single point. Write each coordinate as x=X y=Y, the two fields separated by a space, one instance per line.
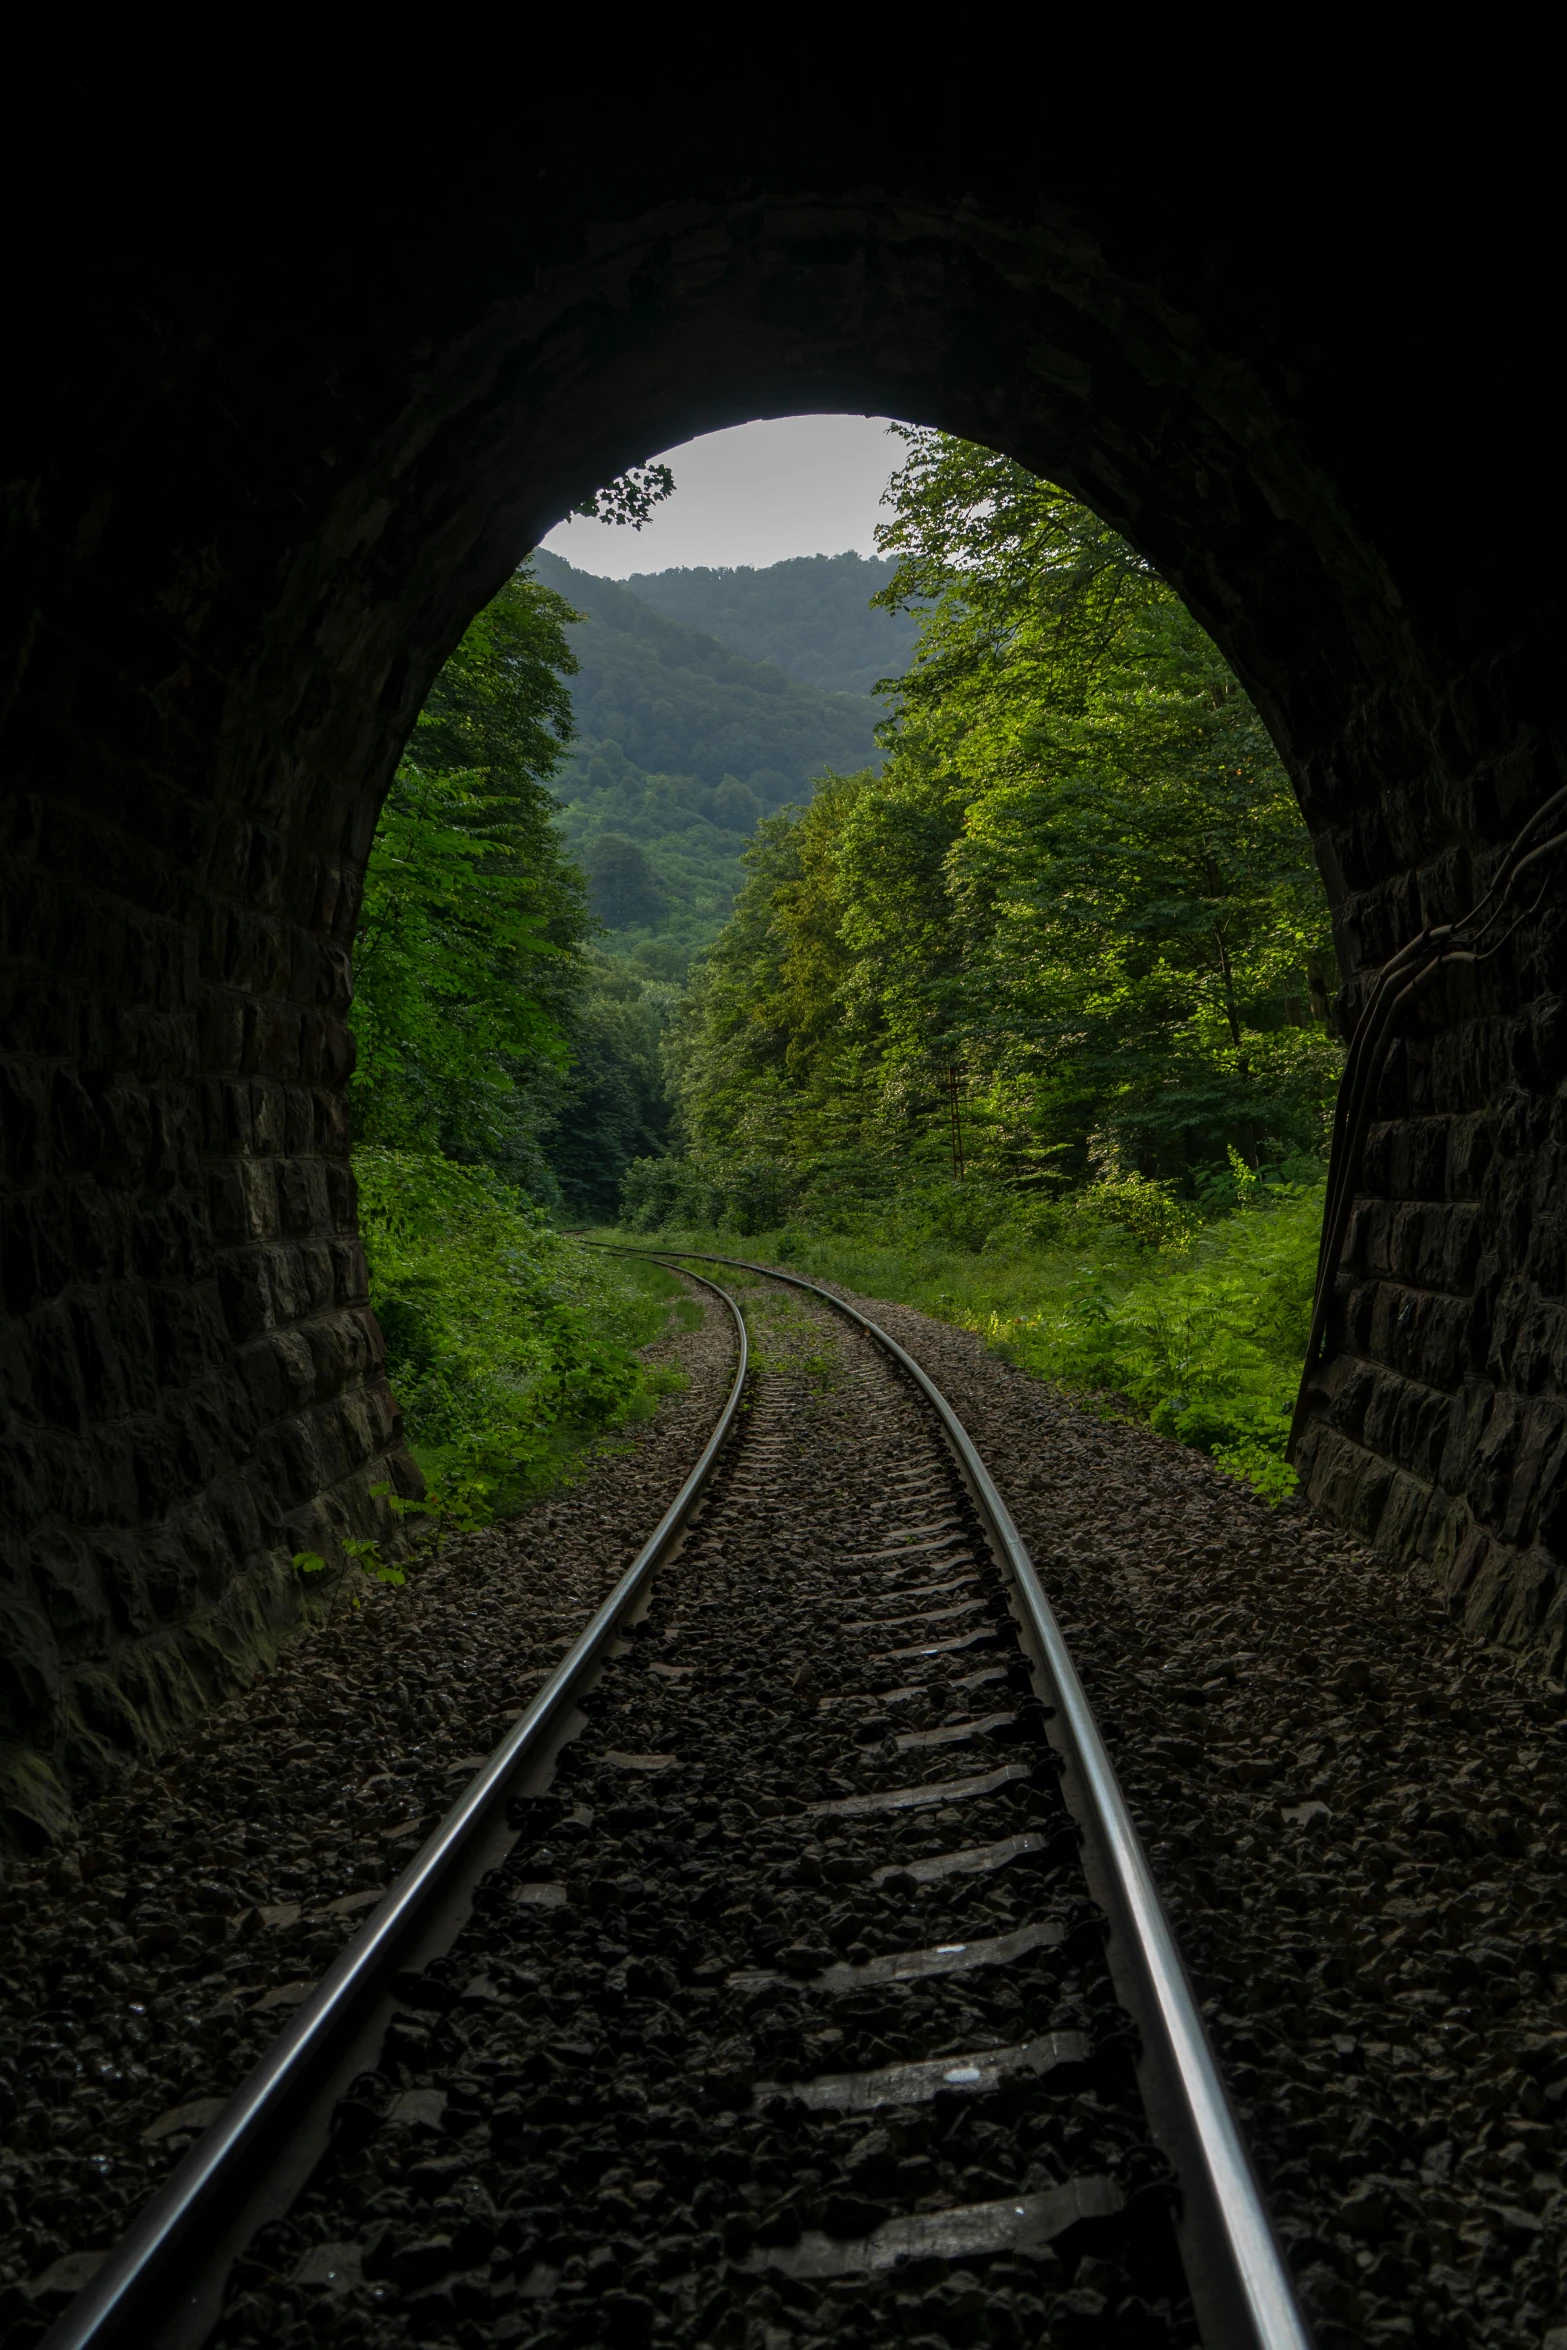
x=270 y=472
x=1440 y=1427
x=191 y=1377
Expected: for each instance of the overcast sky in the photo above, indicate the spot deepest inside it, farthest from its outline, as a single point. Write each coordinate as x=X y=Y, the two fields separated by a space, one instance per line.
x=792 y=485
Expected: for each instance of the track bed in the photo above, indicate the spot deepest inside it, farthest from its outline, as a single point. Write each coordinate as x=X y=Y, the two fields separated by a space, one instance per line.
x=681 y=2072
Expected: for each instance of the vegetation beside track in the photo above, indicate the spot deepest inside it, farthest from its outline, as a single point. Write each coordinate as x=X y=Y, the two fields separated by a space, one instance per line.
x=1197 y=1325
x=510 y=1347
x=1026 y=1026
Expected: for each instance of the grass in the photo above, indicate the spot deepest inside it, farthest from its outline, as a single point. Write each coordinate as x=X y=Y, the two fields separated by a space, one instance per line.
x=513 y=1350
x=1196 y=1326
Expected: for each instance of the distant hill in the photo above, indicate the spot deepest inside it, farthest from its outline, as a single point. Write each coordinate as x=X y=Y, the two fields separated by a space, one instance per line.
x=812 y=615
x=679 y=702
x=683 y=744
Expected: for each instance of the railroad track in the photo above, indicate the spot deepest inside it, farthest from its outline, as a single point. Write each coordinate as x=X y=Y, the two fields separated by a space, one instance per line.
x=791 y=1970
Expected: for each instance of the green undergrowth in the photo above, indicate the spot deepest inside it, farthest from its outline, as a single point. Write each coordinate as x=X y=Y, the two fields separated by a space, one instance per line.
x=788 y=1342
x=1139 y=1305
x=511 y=1347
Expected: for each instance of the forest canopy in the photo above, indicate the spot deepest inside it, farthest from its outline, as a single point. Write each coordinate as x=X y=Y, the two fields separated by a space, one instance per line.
x=812 y=614
x=1071 y=932
x=682 y=744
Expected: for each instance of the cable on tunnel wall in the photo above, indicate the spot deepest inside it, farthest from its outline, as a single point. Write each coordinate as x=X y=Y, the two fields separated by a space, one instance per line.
x=1439 y=947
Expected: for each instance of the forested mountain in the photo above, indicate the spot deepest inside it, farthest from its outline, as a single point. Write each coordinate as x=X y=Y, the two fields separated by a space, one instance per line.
x=678 y=702
x=812 y=615
x=681 y=747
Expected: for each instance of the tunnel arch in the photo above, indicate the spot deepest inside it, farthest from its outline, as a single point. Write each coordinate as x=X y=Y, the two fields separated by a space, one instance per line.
x=291 y=515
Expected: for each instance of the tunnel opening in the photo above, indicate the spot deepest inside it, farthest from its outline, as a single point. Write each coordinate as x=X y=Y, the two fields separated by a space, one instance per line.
x=1022 y=978
x=293 y=532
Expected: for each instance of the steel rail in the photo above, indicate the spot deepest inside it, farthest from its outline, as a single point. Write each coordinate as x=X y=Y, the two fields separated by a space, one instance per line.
x=1241 y=2287
x=130 y=2298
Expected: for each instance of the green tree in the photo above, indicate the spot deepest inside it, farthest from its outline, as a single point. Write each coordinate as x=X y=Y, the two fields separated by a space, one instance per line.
x=467 y=957
x=616 y=1108
x=1074 y=925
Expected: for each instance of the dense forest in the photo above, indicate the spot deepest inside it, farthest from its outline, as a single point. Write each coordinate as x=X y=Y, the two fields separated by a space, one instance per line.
x=813 y=615
x=1005 y=988
x=1071 y=931
x=680 y=746
x=505 y=1067
x=1030 y=1023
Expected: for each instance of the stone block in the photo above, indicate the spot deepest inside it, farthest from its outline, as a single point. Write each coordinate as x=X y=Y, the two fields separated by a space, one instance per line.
x=1396 y=1326
x=350 y=1273
x=117 y=1561
x=29 y=1669
x=157 y=1467
x=272 y=1040
x=1419 y=1430
x=317 y=1207
x=332 y=1134
x=97 y=1476
x=293 y=1195
x=291 y=1463
x=1329 y=1464
x=265 y=1373
x=1532 y=1584
x=169 y=1574
x=1369 y=1242
x=116 y=1350
x=125 y=1149
x=1376 y=1166
x=263 y=1214
x=1539 y=1469
x=1489 y=1473
x=1401 y=1517
x=299 y=1122
x=1545 y=1261
x=304 y=1374
x=35 y=1247
x=233 y=1507
x=245 y=1289
x=75 y=1131
x=1457 y=1239
x=1428 y=1161
x=98 y=1232
x=62 y=1575
x=222 y=1029
x=58 y=1382
x=35 y=1810
x=317 y=1272
x=227 y=1201
x=106 y=1709
x=22 y=1125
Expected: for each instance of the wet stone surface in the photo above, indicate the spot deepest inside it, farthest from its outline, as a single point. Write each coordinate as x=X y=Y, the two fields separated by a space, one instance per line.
x=143 y=1971
x=590 y=2122
x=1357 y=1818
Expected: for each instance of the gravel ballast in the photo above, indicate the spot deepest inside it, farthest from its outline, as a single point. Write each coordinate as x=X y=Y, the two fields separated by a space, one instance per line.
x=143 y=1970
x=1356 y=1817
x=1354 y=1813
x=787 y=2017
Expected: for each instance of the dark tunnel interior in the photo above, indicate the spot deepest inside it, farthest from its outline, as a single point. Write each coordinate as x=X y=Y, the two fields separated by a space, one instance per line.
x=293 y=405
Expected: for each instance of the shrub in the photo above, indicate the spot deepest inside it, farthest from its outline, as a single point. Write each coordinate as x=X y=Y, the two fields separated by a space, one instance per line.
x=1117 y=1291
x=507 y=1343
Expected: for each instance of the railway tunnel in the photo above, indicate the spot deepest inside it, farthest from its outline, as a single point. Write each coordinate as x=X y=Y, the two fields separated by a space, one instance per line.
x=290 y=416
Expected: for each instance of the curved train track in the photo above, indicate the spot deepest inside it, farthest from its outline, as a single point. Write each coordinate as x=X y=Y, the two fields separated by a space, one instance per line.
x=792 y=1969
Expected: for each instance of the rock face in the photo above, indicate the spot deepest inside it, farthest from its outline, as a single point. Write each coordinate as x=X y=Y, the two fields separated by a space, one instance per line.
x=290 y=417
